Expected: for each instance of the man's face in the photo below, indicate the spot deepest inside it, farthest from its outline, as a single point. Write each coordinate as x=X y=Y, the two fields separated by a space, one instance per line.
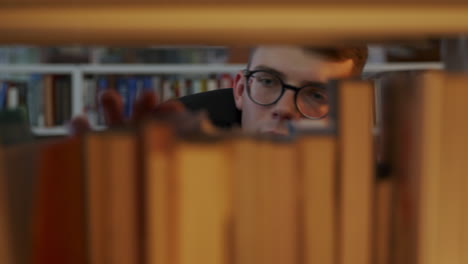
x=295 y=67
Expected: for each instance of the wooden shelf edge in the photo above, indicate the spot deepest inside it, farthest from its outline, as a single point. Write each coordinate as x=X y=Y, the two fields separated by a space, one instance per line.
x=220 y=25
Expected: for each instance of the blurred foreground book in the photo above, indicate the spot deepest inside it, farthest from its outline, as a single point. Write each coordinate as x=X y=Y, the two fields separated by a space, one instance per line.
x=168 y=192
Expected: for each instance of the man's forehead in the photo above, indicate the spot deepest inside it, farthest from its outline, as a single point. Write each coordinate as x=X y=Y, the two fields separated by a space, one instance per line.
x=273 y=52
x=295 y=62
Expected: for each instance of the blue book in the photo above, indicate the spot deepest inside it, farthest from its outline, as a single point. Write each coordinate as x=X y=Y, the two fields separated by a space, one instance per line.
x=102 y=85
x=131 y=96
x=144 y=85
x=122 y=89
x=147 y=84
x=35 y=100
x=139 y=86
x=3 y=94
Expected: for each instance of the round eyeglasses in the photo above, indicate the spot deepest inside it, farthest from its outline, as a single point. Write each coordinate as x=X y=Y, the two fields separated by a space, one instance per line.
x=266 y=88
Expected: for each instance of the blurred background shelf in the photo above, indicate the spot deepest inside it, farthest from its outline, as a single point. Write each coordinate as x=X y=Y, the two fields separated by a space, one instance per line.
x=122 y=68
x=50 y=131
x=78 y=73
x=57 y=131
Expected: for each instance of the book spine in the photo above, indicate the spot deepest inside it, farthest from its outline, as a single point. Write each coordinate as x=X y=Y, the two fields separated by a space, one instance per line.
x=212 y=84
x=147 y=84
x=57 y=91
x=3 y=94
x=22 y=88
x=139 y=86
x=33 y=99
x=91 y=106
x=66 y=95
x=196 y=86
x=204 y=85
x=182 y=85
x=156 y=85
x=13 y=97
x=167 y=92
x=123 y=90
x=40 y=100
x=102 y=85
x=132 y=90
x=48 y=103
x=225 y=81
x=175 y=87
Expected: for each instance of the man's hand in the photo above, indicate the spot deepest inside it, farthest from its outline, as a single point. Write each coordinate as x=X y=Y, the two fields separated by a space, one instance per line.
x=145 y=106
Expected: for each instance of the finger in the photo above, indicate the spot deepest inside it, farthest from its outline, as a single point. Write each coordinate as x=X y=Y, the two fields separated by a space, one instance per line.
x=144 y=106
x=113 y=107
x=79 y=126
x=172 y=106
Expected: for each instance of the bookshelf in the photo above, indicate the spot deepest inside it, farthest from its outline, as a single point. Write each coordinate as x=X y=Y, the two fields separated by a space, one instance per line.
x=78 y=72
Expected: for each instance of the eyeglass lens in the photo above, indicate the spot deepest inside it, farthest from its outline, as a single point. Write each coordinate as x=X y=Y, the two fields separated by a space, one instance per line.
x=266 y=88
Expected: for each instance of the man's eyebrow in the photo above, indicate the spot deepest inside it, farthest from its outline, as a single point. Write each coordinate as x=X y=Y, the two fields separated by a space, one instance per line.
x=283 y=76
x=269 y=69
x=321 y=84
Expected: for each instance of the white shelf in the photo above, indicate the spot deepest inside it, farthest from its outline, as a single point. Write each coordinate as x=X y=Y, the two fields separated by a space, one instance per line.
x=162 y=68
x=122 y=68
x=50 y=131
x=182 y=68
x=78 y=71
x=58 y=130
x=385 y=67
x=38 y=68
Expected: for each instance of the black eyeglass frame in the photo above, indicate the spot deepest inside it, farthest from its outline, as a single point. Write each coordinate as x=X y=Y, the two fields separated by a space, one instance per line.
x=248 y=73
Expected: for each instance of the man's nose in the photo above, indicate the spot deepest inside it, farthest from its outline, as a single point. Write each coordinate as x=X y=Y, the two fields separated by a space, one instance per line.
x=285 y=108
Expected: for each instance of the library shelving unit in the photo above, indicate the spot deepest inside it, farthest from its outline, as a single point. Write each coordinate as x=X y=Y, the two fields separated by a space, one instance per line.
x=78 y=72
x=253 y=22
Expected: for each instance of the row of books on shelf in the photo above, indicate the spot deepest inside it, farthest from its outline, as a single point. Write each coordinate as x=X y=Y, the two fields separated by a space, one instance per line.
x=86 y=54
x=131 y=87
x=48 y=98
x=176 y=190
x=425 y=51
x=156 y=55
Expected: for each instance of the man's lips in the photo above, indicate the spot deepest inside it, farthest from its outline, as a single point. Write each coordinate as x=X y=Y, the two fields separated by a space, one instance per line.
x=275 y=133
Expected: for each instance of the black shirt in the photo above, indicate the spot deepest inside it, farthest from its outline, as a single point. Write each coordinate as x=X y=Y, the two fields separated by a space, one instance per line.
x=218 y=103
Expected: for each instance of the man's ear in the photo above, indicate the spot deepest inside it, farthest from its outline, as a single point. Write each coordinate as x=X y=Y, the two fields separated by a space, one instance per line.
x=239 y=89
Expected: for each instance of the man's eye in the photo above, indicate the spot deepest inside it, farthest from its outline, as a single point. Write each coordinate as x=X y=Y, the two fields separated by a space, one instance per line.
x=317 y=96
x=267 y=81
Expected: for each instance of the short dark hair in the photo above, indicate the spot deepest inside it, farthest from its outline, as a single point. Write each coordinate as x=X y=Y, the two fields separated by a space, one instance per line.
x=358 y=54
